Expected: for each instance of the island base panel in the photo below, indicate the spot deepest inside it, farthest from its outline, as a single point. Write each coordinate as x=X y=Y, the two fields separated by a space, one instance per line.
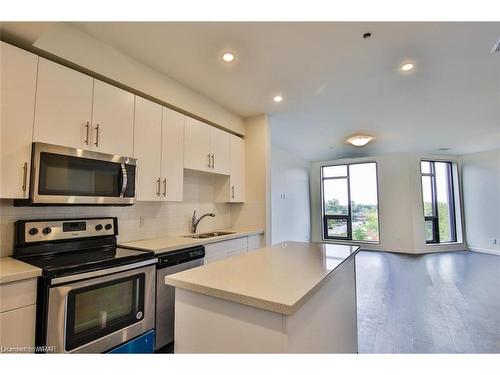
x=326 y=323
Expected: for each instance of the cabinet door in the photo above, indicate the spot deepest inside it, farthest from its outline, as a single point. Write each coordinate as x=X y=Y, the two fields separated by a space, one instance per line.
x=112 y=120
x=18 y=327
x=197 y=145
x=172 y=155
x=147 y=149
x=63 y=106
x=237 y=176
x=220 y=145
x=17 y=105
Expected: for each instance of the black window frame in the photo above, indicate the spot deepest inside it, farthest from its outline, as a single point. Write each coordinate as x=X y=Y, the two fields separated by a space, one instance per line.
x=348 y=216
x=434 y=218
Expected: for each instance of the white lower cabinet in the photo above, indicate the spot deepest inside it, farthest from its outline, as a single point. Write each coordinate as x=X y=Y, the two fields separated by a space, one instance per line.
x=255 y=242
x=225 y=249
x=18 y=327
x=18 y=314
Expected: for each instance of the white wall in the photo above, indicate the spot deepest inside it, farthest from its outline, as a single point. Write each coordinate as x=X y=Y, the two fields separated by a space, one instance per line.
x=401 y=220
x=481 y=196
x=290 y=201
x=255 y=212
x=159 y=218
x=80 y=48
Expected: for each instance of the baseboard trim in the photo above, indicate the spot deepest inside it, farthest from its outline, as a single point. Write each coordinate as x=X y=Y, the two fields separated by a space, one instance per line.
x=485 y=251
x=412 y=251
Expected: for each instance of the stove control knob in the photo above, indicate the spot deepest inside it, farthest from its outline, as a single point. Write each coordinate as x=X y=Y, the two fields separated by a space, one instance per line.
x=98 y=227
x=46 y=230
x=108 y=226
x=33 y=231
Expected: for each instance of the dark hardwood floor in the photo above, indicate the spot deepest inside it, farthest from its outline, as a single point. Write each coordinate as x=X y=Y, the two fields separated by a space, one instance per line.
x=435 y=303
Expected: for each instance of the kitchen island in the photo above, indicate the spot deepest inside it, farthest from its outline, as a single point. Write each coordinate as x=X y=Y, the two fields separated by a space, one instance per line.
x=292 y=297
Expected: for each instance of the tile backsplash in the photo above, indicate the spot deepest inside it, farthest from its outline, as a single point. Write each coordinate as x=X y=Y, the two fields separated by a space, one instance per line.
x=140 y=221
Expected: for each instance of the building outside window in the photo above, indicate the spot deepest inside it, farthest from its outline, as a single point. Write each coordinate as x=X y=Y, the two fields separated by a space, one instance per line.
x=350 y=202
x=438 y=194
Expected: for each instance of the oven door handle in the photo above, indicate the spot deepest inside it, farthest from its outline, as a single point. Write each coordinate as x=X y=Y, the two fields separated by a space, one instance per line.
x=98 y=273
x=124 y=180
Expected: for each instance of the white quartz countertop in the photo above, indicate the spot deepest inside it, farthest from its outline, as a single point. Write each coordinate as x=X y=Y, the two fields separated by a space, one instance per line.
x=277 y=278
x=15 y=270
x=165 y=244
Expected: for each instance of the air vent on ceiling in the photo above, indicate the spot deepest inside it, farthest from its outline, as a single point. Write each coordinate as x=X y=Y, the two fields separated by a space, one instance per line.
x=496 y=47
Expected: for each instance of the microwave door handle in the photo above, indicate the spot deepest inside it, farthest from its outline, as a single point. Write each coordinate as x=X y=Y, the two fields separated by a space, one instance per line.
x=124 y=180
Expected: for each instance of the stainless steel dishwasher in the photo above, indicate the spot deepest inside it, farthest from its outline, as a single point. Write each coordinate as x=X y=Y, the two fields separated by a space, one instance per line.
x=169 y=263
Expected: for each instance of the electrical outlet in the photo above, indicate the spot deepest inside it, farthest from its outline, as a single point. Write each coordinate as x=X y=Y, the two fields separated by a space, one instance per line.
x=141 y=221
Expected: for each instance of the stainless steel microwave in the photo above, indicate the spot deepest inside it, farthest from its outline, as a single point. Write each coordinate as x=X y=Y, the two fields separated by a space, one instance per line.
x=73 y=176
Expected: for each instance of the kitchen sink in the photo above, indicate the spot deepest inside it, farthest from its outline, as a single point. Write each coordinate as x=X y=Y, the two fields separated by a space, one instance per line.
x=209 y=234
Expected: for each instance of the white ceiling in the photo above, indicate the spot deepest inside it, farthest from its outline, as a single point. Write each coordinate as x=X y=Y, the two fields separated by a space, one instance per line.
x=334 y=82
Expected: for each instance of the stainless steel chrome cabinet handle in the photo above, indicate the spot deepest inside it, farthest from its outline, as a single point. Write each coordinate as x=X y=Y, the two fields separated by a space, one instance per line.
x=158 y=182
x=213 y=160
x=232 y=194
x=97 y=135
x=209 y=165
x=164 y=187
x=87 y=127
x=25 y=176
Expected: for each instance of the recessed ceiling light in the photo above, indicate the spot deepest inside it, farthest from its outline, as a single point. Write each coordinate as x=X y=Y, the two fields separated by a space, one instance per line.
x=360 y=140
x=228 y=57
x=407 y=67
x=278 y=98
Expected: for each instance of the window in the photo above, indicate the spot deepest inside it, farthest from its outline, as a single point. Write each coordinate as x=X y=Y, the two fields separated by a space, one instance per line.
x=438 y=201
x=350 y=204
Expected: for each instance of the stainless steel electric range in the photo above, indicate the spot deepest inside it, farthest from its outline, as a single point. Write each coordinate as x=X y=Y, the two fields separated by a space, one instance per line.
x=93 y=296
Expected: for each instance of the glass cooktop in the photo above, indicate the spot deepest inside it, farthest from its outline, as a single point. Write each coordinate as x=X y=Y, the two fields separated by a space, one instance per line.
x=88 y=260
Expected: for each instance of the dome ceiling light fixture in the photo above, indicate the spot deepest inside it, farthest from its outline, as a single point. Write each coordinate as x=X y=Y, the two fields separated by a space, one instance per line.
x=407 y=67
x=228 y=57
x=360 y=140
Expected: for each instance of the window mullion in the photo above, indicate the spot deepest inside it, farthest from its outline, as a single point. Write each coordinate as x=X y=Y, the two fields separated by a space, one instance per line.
x=349 y=208
x=434 y=202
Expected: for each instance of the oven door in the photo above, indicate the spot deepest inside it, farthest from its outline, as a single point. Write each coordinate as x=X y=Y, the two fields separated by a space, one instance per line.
x=63 y=175
x=98 y=314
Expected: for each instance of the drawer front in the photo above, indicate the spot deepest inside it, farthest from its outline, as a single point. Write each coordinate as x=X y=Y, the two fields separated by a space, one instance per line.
x=213 y=259
x=236 y=252
x=17 y=294
x=18 y=327
x=223 y=248
x=255 y=242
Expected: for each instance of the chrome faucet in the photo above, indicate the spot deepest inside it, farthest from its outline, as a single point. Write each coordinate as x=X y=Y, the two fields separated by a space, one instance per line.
x=195 y=221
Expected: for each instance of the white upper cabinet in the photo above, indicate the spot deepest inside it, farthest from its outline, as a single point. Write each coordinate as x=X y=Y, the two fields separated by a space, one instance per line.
x=75 y=110
x=147 y=149
x=17 y=93
x=220 y=146
x=232 y=188
x=112 y=120
x=237 y=176
x=63 y=106
x=197 y=152
x=206 y=148
x=172 y=160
